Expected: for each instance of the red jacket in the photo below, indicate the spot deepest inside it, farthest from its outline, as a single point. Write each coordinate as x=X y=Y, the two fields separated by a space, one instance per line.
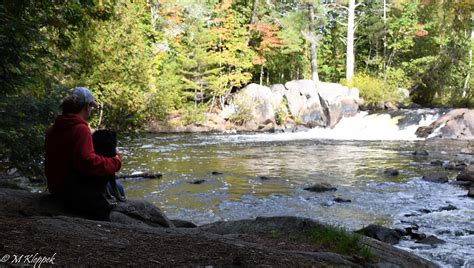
x=69 y=146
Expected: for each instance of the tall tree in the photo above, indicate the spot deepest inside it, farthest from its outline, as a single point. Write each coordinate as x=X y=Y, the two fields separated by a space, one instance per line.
x=350 y=40
x=312 y=41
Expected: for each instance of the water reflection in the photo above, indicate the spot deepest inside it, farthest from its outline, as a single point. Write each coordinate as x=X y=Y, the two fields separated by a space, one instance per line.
x=356 y=168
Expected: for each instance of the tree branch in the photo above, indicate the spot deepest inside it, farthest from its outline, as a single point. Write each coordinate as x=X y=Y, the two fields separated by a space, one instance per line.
x=336 y=6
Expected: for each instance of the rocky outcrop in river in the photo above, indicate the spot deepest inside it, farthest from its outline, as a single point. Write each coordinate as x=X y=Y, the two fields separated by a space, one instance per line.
x=280 y=107
x=456 y=124
x=300 y=101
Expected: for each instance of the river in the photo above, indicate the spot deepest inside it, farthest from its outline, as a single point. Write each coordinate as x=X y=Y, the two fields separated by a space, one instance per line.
x=264 y=175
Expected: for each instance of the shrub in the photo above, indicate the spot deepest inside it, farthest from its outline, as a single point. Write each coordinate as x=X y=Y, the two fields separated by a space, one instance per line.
x=373 y=90
x=281 y=112
x=243 y=113
x=24 y=120
x=194 y=114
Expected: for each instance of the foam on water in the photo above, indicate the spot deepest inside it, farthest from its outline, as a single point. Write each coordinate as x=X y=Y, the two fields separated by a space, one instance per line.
x=363 y=126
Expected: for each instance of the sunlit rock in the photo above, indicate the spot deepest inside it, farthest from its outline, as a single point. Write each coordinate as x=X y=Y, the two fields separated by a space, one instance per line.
x=457 y=124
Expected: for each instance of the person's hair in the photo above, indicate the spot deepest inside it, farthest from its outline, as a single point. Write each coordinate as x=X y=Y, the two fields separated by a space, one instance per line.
x=72 y=105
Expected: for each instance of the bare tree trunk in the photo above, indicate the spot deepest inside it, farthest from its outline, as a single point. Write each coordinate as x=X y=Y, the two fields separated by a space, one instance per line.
x=384 y=28
x=312 y=40
x=101 y=113
x=154 y=9
x=268 y=77
x=212 y=103
x=350 y=41
x=254 y=12
x=368 y=57
x=468 y=77
x=261 y=74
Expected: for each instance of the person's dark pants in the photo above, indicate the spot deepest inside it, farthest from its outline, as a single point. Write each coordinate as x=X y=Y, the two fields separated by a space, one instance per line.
x=119 y=187
x=85 y=195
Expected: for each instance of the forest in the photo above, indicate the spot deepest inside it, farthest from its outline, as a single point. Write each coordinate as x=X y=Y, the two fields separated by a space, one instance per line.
x=146 y=59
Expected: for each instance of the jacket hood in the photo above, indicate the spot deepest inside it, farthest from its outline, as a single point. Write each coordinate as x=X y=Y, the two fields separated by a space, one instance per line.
x=65 y=121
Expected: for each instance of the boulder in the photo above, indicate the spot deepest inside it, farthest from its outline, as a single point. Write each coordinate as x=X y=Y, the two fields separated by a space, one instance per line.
x=197 y=181
x=349 y=106
x=438 y=178
x=306 y=88
x=391 y=172
x=341 y=200
x=421 y=153
x=270 y=127
x=133 y=212
x=265 y=178
x=437 y=163
x=295 y=101
x=431 y=240
x=321 y=187
x=455 y=165
x=313 y=113
x=183 y=224
x=145 y=212
x=467 y=174
x=462 y=183
x=304 y=103
x=323 y=105
x=404 y=94
x=390 y=106
x=278 y=91
x=338 y=101
x=447 y=208
x=417 y=236
x=381 y=233
x=470 y=192
x=456 y=124
x=261 y=102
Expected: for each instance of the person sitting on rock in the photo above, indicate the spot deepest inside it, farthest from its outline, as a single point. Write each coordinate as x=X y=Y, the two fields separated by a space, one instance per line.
x=71 y=162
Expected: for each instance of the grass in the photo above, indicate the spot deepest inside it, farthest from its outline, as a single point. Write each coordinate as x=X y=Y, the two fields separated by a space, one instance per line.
x=339 y=240
x=331 y=238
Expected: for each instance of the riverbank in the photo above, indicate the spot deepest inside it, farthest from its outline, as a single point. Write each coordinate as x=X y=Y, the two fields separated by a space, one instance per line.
x=301 y=105
x=32 y=224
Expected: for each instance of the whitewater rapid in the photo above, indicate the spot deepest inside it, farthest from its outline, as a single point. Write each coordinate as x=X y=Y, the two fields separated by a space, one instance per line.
x=400 y=125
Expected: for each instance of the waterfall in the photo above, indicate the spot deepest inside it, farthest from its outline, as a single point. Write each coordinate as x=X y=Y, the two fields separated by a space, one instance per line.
x=394 y=125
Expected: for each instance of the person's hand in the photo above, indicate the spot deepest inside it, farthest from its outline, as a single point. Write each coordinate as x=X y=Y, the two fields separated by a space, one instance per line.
x=118 y=155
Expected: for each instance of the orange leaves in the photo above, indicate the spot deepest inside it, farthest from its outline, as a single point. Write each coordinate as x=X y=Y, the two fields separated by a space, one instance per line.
x=420 y=31
x=259 y=60
x=223 y=6
x=269 y=36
